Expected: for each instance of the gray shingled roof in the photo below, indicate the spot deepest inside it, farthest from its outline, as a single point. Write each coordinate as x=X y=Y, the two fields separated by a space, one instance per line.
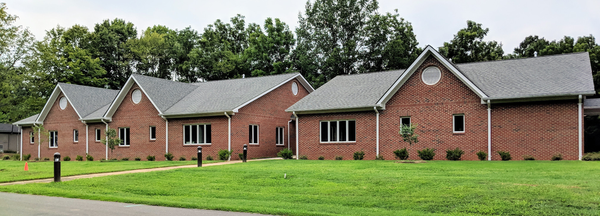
x=591 y=103
x=348 y=91
x=164 y=93
x=28 y=120
x=8 y=128
x=86 y=99
x=225 y=95
x=556 y=75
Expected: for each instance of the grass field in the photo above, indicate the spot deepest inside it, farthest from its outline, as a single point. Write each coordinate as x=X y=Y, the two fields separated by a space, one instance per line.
x=14 y=170
x=355 y=188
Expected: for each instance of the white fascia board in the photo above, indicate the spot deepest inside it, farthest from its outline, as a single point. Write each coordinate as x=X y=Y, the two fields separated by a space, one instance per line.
x=235 y=110
x=149 y=98
x=305 y=83
x=121 y=96
x=69 y=100
x=52 y=100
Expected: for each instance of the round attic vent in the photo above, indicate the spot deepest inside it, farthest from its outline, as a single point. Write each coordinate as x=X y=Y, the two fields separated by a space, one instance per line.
x=295 y=88
x=431 y=75
x=136 y=96
x=63 y=103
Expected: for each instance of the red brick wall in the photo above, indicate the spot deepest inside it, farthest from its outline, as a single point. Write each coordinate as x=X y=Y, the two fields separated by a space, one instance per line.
x=96 y=148
x=218 y=137
x=29 y=148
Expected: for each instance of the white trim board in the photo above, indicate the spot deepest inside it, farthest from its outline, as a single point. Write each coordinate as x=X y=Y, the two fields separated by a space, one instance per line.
x=297 y=76
x=121 y=96
x=51 y=100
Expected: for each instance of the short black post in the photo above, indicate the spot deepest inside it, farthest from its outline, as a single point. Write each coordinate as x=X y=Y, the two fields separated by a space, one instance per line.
x=56 y=167
x=245 y=153
x=199 y=156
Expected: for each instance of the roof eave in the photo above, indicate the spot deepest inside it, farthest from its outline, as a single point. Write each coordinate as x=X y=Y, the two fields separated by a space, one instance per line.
x=336 y=110
x=566 y=96
x=197 y=115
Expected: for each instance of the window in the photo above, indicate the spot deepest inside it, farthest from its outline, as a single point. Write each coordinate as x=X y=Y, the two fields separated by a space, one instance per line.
x=199 y=134
x=279 y=136
x=431 y=75
x=253 y=134
x=152 y=132
x=458 y=123
x=124 y=136
x=136 y=96
x=294 y=88
x=98 y=135
x=405 y=121
x=75 y=135
x=63 y=103
x=31 y=137
x=53 y=140
x=338 y=131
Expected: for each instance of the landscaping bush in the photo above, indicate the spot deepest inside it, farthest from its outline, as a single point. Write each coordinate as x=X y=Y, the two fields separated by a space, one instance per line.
x=151 y=158
x=169 y=156
x=182 y=158
x=454 y=154
x=321 y=158
x=241 y=156
x=89 y=158
x=359 y=155
x=339 y=158
x=481 y=155
x=557 y=157
x=592 y=156
x=380 y=157
x=505 y=155
x=224 y=154
x=285 y=154
x=79 y=158
x=207 y=158
x=401 y=154
x=137 y=159
x=6 y=157
x=124 y=159
x=15 y=157
x=26 y=157
x=37 y=159
x=303 y=157
x=46 y=159
x=67 y=158
x=528 y=157
x=426 y=154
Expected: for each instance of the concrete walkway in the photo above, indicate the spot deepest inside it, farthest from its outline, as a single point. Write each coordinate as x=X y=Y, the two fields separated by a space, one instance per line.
x=69 y=178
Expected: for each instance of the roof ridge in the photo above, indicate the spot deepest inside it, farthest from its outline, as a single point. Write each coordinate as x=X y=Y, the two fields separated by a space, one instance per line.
x=223 y=80
x=517 y=59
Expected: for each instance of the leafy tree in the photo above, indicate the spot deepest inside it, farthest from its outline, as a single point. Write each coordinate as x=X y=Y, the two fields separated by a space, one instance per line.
x=110 y=140
x=530 y=45
x=468 y=45
x=408 y=133
x=153 y=52
x=183 y=42
x=269 y=53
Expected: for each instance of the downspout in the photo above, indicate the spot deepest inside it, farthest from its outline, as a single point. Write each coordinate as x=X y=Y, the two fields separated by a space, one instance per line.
x=228 y=135
x=489 y=109
x=21 y=133
x=579 y=117
x=297 y=135
x=166 y=134
x=377 y=130
x=288 y=128
x=86 y=138
x=106 y=138
x=39 y=141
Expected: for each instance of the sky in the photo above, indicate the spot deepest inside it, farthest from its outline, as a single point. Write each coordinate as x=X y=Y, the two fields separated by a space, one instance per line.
x=434 y=21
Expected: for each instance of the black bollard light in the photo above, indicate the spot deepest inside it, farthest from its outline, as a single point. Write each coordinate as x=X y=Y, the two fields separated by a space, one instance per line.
x=199 y=156
x=245 y=153
x=56 y=167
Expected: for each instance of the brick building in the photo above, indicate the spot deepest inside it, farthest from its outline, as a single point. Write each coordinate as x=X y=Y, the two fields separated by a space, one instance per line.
x=155 y=116
x=527 y=106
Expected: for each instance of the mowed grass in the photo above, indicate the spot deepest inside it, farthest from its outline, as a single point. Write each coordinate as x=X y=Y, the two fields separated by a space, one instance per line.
x=14 y=170
x=355 y=188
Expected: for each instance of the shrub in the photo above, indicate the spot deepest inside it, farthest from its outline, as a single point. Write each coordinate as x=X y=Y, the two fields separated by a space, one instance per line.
x=505 y=155
x=557 y=157
x=124 y=159
x=380 y=157
x=321 y=158
x=454 y=154
x=241 y=156
x=46 y=159
x=182 y=158
x=37 y=159
x=151 y=158
x=6 y=157
x=113 y=159
x=359 y=155
x=137 y=159
x=89 y=158
x=285 y=153
x=592 y=156
x=26 y=157
x=339 y=158
x=15 y=157
x=528 y=157
x=401 y=154
x=481 y=155
x=426 y=154
x=9 y=152
x=67 y=158
x=169 y=156
x=209 y=157
x=303 y=157
x=195 y=158
x=224 y=154
x=79 y=158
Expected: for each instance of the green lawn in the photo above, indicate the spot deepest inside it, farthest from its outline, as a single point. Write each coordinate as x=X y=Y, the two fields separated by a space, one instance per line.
x=355 y=188
x=14 y=170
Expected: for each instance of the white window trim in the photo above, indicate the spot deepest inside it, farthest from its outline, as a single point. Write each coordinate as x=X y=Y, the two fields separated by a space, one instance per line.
x=409 y=121
x=252 y=135
x=197 y=130
x=55 y=139
x=75 y=138
x=338 y=131
x=124 y=140
x=150 y=130
x=282 y=136
x=96 y=135
x=453 y=123
x=31 y=137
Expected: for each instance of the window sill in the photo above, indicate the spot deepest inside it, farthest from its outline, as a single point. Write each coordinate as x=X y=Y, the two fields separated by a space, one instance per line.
x=337 y=143
x=152 y=140
x=203 y=144
x=458 y=133
x=253 y=144
x=53 y=147
x=127 y=146
x=279 y=144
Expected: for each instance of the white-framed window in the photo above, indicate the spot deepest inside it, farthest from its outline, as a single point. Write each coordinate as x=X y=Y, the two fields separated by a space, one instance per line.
x=124 y=136
x=31 y=137
x=75 y=135
x=53 y=139
x=458 y=123
x=279 y=136
x=253 y=134
x=197 y=134
x=404 y=121
x=338 y=131
x=152 y=132
x=63 y=103
x=98 y=135
x=431 y=75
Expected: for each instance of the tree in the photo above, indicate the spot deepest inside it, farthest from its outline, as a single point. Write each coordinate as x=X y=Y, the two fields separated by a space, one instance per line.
x=530 y=46
x=183 y=42
x=111 y=141
x=408 y=133
x=153 y=52
x=468 y=45
x=269 y=53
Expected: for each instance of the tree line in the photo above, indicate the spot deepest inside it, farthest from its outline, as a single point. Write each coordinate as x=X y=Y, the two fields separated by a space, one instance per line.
x=333 y=37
